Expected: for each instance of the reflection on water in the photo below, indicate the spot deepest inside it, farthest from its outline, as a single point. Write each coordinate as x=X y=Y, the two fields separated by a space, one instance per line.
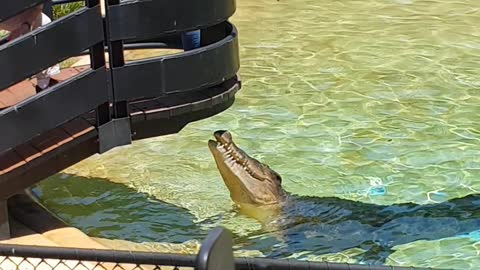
x=335 y=93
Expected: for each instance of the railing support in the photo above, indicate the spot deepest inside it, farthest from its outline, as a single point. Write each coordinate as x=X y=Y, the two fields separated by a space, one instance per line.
x=48 y=9
x=4 y=221
x=117 y=131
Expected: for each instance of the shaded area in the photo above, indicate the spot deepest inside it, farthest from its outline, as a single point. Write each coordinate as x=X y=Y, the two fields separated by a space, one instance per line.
x=330 y=225
x=309 y=225
x=105 y=209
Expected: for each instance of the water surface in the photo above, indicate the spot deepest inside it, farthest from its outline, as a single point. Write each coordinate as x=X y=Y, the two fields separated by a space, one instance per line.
x=338 y=97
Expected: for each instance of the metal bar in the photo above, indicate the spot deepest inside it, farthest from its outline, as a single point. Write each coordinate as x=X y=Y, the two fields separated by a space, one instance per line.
x=97 y=60
x=117 y=59
x=120 y=108
x=47 y=8
x=97 y=57
x=115 y=47
x=148 y=19
x=282 y=264
x=183 y=108
x=148 y=258
x=103 y=114
x=92 y=3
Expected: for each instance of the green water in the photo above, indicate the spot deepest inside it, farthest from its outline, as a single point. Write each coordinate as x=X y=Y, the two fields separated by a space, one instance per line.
x=336 y=95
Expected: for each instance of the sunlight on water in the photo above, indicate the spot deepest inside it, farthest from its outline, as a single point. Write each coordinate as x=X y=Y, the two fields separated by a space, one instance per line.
x=376 y=101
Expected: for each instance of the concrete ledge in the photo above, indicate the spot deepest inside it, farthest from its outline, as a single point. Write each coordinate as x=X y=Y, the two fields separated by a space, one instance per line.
x=33 y=224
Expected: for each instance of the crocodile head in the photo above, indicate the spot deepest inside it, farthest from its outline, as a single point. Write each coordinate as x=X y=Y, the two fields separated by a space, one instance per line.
x=250 y=182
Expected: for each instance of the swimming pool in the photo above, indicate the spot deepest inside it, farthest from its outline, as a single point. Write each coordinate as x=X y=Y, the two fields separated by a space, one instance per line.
x=375 y=101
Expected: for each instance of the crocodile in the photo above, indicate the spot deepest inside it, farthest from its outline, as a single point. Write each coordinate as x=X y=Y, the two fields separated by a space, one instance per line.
x=329 y=224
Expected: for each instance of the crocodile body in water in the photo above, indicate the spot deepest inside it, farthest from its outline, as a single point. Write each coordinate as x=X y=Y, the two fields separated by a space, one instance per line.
x=328 y=224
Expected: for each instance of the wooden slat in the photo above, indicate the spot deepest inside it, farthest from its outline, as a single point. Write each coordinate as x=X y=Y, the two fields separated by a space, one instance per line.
x=51 y=140
x=28 y=152
x=48 y=164
x=134 y=110
x=81 y=69
x=77 y=127
x=9 y=99
x=136 y=114
x=22 y=90
x=148 y=105
x=40 y=145
x=10 y=161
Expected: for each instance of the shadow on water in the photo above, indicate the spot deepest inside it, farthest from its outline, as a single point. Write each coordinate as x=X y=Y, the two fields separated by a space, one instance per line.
x=105 y=209
x=110 y=210
x=331 y=225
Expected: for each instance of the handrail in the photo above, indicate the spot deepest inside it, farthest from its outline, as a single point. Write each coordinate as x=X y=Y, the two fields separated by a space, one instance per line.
x=149 y=19
x=215 y=254
x=179 y=72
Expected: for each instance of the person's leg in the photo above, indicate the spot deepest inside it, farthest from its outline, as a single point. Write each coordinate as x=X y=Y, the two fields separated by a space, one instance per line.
x=22 y=23
x=191 y=40
x=44 y=79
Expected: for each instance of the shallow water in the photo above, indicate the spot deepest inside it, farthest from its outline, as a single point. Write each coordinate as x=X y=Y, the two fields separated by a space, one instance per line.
x=375 y=101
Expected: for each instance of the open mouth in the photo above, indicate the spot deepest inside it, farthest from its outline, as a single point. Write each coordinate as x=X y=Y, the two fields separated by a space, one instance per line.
x=249 y=180
x=232 y=155
x=222 y=138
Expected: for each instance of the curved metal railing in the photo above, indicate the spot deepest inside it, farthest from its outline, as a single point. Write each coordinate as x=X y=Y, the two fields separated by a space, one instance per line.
x=110 y=91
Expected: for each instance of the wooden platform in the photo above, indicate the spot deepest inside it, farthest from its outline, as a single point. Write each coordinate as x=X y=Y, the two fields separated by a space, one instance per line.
x=57 y=149
x=40 y=156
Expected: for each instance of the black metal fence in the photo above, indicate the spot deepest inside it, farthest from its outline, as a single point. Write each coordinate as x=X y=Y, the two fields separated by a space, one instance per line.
x=215 y=254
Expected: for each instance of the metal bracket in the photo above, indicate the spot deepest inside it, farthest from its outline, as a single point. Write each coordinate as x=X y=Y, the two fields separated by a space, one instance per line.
x=115 y=133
